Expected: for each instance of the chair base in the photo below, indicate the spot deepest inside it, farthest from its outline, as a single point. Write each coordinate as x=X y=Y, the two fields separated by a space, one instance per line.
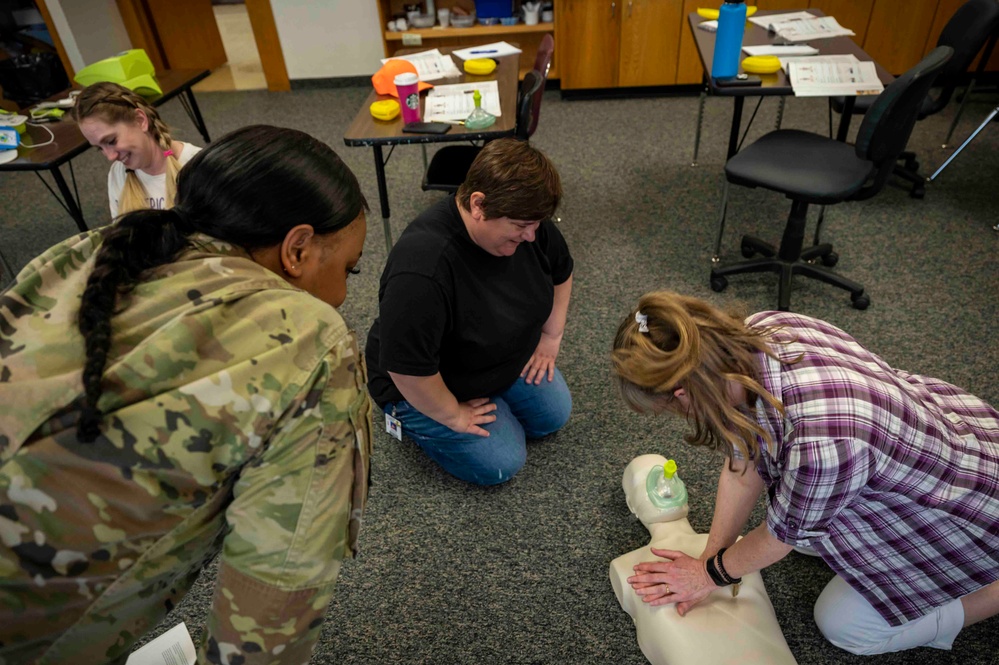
x=907 y=168
x=790 y=260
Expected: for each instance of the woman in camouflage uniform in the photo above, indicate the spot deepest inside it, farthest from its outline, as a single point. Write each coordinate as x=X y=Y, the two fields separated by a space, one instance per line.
x=180 y=384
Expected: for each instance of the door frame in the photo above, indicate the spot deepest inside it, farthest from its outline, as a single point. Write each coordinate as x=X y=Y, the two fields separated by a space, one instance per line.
x=141 y=28
x=60 y=49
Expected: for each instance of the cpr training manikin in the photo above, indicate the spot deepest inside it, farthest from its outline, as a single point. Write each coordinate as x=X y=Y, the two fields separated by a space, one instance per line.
x=721 y=629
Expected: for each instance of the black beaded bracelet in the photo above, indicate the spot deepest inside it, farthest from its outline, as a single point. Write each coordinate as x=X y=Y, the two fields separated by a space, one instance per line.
x=721 y=569
x=714 y=573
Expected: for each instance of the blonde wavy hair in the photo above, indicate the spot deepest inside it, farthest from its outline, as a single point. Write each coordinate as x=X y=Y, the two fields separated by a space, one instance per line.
x=697 y=347
x=113 y=103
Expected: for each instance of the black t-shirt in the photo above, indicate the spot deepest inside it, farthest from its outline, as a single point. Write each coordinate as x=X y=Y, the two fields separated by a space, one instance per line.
x=446 y=305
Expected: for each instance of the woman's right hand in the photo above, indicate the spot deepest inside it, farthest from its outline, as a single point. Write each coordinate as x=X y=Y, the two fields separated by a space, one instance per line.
x=473 y=413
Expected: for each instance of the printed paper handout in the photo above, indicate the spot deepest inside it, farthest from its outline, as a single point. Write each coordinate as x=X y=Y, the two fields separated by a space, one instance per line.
x=453 y=103
x=832 y=75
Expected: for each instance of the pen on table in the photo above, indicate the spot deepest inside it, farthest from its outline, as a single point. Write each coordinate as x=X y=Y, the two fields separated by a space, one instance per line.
x=490 y=51
x=452 y=122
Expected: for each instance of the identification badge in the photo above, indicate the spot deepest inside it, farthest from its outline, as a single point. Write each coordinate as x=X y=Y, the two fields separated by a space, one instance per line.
x=393 y=426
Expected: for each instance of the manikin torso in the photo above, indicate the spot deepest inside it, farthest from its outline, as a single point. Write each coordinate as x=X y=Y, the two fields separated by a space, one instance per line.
x=720 y=629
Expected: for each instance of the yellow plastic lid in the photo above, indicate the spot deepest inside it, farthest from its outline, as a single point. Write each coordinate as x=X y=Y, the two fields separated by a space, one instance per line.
x=480 y=66
x=385 y=109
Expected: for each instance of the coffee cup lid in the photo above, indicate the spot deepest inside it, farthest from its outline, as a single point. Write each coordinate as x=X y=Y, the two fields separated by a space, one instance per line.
x=407 y=78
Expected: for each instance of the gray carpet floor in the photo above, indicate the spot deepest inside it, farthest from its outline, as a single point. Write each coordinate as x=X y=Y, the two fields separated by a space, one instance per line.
x=450 y=573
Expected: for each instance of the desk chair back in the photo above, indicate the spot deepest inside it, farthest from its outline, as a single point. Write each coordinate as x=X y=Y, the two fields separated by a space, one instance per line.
x=542 y=64
x=532 y=89
x=889 y=122
x=966 y=32
x=450 y=164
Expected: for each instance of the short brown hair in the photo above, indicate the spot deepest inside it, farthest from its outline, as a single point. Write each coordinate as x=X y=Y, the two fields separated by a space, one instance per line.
x=517 y=179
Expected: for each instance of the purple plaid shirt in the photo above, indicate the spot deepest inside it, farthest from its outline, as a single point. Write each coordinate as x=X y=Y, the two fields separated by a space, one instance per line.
x=892 y=477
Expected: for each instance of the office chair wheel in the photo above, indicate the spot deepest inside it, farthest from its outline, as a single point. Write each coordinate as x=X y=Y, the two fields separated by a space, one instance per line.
x=830 y=259
x=918 y=191
x=748 y=251
x=911 y=165
x=718 y=284
x=860 y=301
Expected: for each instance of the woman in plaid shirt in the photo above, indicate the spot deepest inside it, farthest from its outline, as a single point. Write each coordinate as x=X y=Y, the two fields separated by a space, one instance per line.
x=892 y=478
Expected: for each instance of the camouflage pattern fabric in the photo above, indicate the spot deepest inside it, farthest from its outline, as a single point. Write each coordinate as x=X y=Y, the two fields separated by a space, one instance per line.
x=237 y=421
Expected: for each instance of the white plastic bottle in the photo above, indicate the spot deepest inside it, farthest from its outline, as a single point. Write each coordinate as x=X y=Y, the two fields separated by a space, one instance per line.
x=668 y=485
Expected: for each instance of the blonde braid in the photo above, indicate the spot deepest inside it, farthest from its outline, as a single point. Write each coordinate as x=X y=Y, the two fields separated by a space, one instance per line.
x=161 y=132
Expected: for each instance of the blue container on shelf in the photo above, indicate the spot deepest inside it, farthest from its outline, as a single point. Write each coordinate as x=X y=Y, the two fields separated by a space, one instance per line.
x=493 y=8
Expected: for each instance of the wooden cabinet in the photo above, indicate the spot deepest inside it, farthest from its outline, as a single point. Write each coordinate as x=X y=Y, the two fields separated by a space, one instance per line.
x=896 y=33
x=650 y=30
x=525 y=37
x=853 y=14
x=588 y=39
x=618 y=43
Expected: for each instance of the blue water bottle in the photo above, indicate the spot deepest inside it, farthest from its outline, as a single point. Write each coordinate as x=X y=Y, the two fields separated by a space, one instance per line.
x=728 y=39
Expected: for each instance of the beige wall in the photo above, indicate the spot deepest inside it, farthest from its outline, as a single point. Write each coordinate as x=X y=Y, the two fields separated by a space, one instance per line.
x=329 y=38
x=90 y=30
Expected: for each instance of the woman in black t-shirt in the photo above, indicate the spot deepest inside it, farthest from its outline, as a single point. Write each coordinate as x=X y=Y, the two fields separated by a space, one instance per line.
x=472 y=308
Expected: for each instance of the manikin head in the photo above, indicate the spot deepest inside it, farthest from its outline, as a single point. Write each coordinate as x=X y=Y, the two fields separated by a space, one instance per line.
x=635 y=483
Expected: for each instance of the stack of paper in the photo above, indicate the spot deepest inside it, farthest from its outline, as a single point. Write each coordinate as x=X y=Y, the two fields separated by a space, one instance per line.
x=494 y=50
x=767 y=20
x=801 y=26
x=832 y=75
x=781 y=51
x=453 y=103
x=430 y=65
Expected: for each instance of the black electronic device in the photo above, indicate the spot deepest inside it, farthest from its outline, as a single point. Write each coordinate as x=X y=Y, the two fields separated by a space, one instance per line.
x=738 y=81
x=427 y=128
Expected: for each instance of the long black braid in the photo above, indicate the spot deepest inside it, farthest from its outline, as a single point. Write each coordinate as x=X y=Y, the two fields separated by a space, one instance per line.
x=140 y=241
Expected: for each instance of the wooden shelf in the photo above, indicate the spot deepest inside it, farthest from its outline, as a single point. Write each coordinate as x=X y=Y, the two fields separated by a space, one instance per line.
x=474 y=31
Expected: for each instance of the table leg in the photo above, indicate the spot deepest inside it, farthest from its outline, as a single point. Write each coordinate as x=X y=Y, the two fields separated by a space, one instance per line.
x=68 y=200
x=700 y=121
x=733 y=137
x=194 y=113
x=962 y=147
x=844 y=118
x=383 y=195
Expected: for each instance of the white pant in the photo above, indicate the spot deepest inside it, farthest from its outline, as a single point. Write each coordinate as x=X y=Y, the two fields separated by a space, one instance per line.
x=848 y=621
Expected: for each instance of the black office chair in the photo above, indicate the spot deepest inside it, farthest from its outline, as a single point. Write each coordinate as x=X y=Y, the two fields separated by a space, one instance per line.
x=967 y=32
x=810 y=168
x=450 y=164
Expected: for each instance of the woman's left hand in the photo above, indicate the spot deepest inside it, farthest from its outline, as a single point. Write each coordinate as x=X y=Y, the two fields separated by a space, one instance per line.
x=543 y=360
x=682 y=580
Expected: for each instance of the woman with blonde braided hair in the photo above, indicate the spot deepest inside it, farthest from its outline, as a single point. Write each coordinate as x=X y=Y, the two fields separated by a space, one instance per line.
x=888 y=476
x=128 y=130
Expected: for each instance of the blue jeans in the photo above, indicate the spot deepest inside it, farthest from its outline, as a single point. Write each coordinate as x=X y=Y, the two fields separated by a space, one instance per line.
x=523 y=411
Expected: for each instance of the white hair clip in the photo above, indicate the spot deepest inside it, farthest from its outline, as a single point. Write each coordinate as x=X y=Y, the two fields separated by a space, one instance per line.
x=643 y=322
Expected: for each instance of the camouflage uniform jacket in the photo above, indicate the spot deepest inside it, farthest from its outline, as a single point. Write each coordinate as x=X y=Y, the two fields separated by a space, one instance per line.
x=237 y=420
